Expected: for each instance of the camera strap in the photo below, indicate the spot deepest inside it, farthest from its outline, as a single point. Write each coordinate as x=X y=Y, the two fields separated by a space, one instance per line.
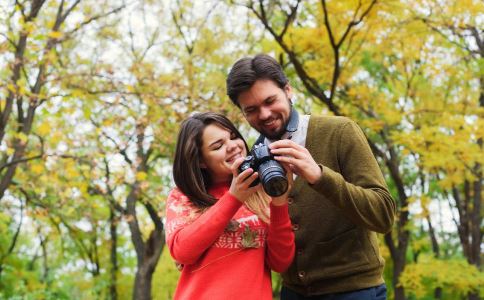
x=291 y=127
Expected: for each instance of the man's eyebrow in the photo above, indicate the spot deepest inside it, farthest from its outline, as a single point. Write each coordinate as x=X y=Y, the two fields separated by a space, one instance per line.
x=271 y=97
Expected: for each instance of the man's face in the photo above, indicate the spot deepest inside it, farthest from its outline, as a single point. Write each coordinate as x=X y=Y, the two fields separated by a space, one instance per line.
x=267 y=107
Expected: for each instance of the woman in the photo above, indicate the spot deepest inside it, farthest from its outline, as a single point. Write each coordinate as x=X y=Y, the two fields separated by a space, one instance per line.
x=225 y=234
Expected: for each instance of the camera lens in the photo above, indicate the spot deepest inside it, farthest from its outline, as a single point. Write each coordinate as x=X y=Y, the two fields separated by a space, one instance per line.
x=273 y=178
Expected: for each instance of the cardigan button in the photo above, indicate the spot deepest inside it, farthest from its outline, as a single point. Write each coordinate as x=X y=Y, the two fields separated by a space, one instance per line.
x=299 y=251
x=295 y=227
x=301 y=274
x=290 y=200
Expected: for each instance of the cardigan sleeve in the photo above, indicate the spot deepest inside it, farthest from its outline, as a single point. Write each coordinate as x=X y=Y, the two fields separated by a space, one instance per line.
x=280 y=239
x=189 y=232
x=359 y=189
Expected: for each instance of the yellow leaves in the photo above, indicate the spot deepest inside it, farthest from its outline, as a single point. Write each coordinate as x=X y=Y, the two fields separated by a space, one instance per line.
x=71 y=172
x=141 y=176
x=12 y=88
x=373 y=124
x=77 y=93
x=130 y=88
x=10 y=151
x=55 y=34
x=44 y=129
x=37 y=168
x=22 y=137
x=429 y=273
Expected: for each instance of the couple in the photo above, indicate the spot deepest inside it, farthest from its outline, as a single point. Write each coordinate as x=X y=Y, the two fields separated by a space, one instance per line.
x=321 y=234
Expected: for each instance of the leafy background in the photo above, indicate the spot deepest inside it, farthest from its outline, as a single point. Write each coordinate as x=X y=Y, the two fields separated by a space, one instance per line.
x=92 y=94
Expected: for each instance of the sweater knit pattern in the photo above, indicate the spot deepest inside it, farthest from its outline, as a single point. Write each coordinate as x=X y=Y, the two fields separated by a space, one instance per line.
x=226 y=251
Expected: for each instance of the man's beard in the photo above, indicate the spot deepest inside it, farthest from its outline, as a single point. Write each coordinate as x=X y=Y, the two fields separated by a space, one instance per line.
x=275 y=135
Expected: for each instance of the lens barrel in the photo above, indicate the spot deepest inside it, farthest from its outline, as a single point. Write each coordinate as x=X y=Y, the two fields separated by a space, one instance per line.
x=273 y=178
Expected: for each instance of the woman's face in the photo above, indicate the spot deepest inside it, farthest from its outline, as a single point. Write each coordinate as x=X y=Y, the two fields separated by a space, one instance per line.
x=220 y=148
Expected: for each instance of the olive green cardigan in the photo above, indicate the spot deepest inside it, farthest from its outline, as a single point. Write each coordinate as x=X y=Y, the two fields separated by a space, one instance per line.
x=335 y=219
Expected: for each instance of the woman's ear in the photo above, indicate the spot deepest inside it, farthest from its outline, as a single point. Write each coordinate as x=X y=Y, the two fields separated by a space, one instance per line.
x=203 y=165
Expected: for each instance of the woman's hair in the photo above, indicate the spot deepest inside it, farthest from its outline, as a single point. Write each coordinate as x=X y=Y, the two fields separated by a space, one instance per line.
x=190 y=177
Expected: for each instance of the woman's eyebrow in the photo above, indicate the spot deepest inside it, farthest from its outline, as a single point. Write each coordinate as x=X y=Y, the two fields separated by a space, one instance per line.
x=217 y=141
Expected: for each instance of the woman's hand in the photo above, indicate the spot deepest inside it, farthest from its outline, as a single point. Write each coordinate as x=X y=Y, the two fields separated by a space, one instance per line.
x=282 y=199
x=240 y=187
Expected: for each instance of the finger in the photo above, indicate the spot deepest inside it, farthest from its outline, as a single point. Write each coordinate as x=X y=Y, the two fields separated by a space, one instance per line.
x=285 y=166
x=286 y=144
x=253 y=189
x=248 y=181
x=288 y=160
x=235 y=166
x=289 y=152
x=245 y=174
x=289 y=175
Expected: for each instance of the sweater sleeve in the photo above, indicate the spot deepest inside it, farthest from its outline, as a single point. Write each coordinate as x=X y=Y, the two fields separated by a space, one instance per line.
x=360 y=189
x=188 y=232
x=280 y=239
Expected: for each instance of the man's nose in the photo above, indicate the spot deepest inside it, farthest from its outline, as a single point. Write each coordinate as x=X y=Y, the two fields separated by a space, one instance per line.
x=264 y=113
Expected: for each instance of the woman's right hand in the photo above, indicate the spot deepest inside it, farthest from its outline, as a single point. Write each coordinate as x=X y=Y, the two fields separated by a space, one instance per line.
x=240 y=187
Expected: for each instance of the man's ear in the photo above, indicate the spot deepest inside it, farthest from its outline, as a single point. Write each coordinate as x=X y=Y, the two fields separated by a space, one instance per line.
x=288 y=91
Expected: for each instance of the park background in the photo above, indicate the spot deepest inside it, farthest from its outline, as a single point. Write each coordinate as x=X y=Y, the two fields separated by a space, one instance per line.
x=92 y=93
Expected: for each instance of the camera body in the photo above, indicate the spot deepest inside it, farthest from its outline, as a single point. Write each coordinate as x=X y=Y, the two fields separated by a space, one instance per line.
x=271 y=174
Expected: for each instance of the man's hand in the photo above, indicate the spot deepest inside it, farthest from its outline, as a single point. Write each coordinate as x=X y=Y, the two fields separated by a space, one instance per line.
x=297 y=158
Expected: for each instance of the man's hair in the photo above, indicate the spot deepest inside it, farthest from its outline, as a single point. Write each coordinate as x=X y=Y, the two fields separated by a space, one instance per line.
x=246 y=71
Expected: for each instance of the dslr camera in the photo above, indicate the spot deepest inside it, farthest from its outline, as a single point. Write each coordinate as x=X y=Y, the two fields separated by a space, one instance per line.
x=271 y=173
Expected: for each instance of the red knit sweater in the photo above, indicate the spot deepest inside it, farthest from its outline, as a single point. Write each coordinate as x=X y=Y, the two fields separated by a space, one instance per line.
x=226 y=251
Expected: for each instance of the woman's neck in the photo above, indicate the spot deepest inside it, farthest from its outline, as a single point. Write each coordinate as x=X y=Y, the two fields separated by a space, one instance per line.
x=218 y=184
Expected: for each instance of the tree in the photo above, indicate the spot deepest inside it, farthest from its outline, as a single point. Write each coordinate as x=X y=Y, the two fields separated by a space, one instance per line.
x=35 y=32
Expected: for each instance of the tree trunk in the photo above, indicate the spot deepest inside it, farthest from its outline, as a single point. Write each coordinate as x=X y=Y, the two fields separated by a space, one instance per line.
x=436 y=251
x=147 y=264
x=142 y=283
x=114 y=259
x=398 y=267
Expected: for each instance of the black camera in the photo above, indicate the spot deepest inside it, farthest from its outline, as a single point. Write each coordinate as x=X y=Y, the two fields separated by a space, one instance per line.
x=271 y=173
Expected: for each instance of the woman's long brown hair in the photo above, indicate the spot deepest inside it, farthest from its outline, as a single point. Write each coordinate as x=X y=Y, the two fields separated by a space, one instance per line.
x=190 y=177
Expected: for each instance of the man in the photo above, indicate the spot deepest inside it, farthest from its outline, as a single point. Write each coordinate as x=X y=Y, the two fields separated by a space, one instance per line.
x=339 y=199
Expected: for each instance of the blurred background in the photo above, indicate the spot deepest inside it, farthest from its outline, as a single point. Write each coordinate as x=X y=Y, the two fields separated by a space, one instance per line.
x=92 y=93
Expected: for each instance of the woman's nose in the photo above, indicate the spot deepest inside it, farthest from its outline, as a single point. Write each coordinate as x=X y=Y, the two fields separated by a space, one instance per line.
x=232 y=145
